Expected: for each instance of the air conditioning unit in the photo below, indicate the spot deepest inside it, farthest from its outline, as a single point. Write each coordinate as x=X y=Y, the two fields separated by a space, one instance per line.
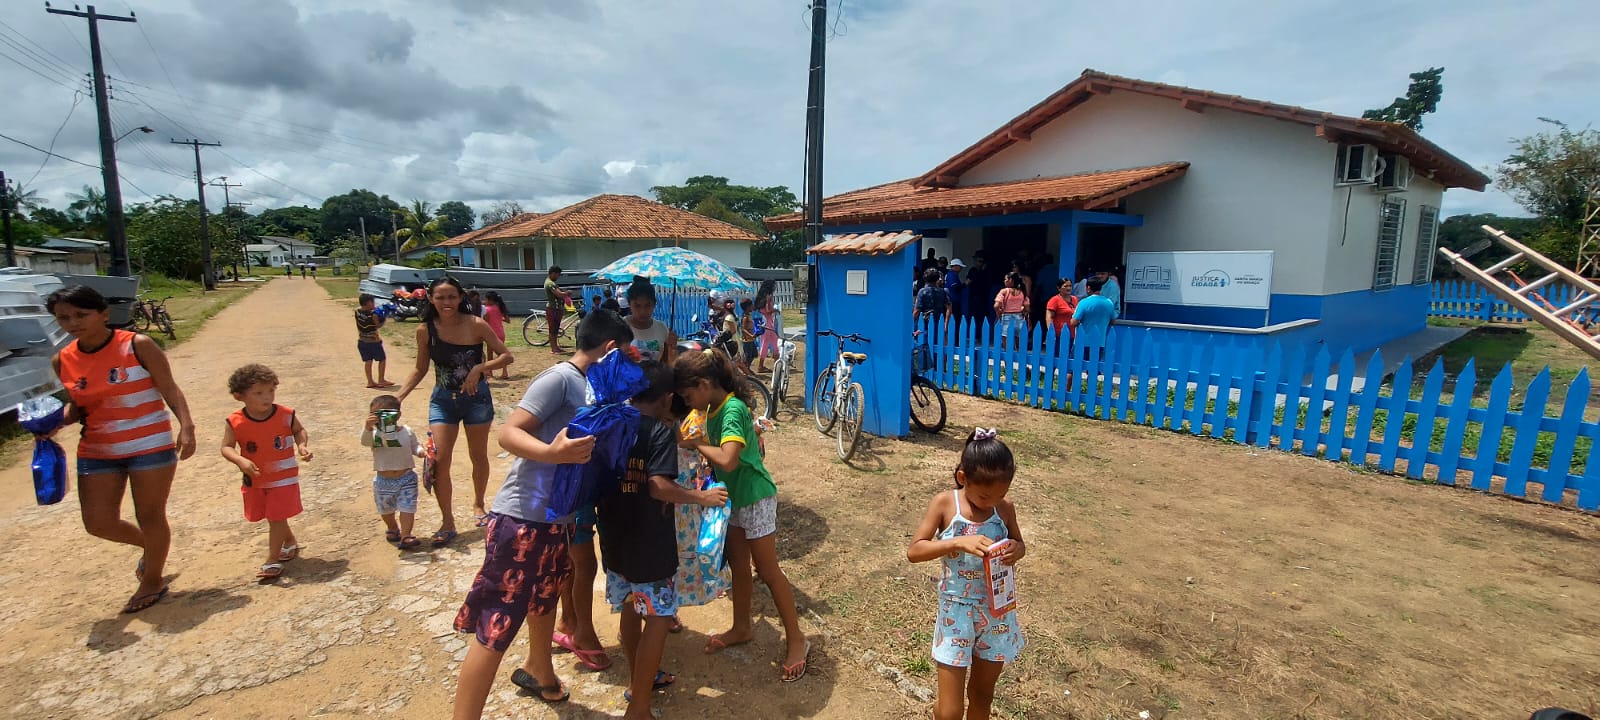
x=1358 y=164
x=1396 y=174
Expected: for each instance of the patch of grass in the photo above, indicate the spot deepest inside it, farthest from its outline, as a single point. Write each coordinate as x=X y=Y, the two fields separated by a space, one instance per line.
x=918 y=665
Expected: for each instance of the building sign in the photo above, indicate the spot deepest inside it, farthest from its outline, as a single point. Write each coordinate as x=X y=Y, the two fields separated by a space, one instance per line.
x=1234 y=279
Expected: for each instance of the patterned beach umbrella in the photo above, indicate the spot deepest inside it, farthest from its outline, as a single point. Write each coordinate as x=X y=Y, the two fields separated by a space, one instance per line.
x=675 y=267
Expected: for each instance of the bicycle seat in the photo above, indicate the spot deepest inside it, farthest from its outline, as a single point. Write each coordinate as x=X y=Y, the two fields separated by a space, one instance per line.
x=854 y=357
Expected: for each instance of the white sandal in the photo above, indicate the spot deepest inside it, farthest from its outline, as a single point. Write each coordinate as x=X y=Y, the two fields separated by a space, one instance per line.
x=289 y=552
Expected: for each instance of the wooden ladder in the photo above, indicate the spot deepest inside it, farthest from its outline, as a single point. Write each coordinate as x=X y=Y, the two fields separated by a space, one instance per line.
x=1573 y=322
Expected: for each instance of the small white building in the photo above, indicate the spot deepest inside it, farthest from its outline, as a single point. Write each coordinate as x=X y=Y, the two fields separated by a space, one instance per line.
x=48 y=260
x=593 y=233
x=294 y=249
x=1109 y=166
x=270 y=255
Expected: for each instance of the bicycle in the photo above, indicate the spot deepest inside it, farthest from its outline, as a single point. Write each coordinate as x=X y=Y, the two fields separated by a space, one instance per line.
x=761 y=405
x=925 y=396
x=782 y=368
x=146 y=313
x=831 y=405
x=535 y=330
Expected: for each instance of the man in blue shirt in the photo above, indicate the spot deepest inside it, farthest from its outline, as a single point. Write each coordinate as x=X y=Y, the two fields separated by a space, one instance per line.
x=955 y=288
x=1112 y=291
x=1092 y=319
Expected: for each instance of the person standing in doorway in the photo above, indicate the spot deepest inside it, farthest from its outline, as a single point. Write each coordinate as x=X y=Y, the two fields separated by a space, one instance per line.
x=1045 y=280
x=954 y=287
x=980 y=286
x=1091 y=321
x=1112 y=290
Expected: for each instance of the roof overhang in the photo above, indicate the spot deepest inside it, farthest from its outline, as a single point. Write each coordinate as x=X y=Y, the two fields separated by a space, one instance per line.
x=906 y=201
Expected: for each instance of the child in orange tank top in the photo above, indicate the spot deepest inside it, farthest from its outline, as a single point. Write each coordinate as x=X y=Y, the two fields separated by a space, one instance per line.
x=261 y=438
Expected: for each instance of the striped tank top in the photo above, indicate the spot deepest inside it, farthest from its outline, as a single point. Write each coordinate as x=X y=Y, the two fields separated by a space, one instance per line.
x=269 y=443
x=123 y=412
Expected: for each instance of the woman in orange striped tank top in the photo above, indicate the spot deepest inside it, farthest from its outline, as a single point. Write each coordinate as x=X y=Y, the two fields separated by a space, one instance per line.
x=120 y=387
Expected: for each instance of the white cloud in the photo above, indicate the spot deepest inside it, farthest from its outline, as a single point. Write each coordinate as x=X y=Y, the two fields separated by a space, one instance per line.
x=550 y=101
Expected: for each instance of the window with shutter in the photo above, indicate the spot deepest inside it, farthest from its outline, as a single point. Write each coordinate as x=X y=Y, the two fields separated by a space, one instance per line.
x=1391 y=220
x=1427 y=245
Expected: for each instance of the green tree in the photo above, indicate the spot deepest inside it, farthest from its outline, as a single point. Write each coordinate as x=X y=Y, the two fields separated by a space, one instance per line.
x=88 y=211
x=1422 y=97
x=418 y=227
x=341 y=214
x=455 y=218
x=1458 y=232
x=288 y=221
x=58 y=222
x=23 y=200
x=1552 y=174
x=742 y=205
x=164 y=237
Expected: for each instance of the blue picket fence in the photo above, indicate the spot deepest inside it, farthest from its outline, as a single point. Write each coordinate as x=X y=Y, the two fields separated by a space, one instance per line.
x=1265 y=398
x=1465 y=299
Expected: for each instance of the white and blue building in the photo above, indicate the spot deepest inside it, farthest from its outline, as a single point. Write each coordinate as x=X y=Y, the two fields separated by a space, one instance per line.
x=1344 y=210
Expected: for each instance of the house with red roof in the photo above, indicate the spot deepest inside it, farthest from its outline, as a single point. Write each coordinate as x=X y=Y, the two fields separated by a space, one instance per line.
x=592 y=233
x=1221 y=215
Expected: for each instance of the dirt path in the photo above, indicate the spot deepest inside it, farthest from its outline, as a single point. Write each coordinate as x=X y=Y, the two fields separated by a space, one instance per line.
x=354 y=628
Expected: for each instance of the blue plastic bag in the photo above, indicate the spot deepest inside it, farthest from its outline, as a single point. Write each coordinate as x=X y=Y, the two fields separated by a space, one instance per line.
x=41 y=416
x=613 y=423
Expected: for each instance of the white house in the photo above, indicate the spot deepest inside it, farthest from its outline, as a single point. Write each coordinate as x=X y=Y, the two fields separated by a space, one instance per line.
x=1107 y=166
x=294 y=248
x=48 y=260
x=274 y=254
x=593 y=233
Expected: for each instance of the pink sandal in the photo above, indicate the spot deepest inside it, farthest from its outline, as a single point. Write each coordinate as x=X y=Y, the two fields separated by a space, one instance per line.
x=586 y=658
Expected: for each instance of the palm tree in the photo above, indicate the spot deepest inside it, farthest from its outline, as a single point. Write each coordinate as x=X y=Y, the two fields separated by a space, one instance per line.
x=23 y=199
x=419 y=227
x=88 y=210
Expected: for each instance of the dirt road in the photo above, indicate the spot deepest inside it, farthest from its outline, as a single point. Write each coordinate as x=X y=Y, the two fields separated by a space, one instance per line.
x=354 y=628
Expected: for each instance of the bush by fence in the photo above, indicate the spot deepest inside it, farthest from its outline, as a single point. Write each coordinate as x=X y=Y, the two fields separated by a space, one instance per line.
x=1266 y=399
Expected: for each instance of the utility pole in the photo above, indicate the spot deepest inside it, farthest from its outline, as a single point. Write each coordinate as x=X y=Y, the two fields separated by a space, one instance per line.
x=227 y=202
x=209 y=279
x=814 y=97
x=362 y=219
x=116 y=234
x=394 y=231
x=5 y=213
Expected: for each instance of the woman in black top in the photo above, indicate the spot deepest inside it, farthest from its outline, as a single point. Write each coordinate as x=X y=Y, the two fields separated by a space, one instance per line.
x=452 y=339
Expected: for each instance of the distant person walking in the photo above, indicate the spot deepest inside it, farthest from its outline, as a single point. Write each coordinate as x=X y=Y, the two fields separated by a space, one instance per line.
x=117 y=382
x=555 y=306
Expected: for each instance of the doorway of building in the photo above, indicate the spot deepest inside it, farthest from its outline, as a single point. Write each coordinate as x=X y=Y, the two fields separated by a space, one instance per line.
x=1099 y=248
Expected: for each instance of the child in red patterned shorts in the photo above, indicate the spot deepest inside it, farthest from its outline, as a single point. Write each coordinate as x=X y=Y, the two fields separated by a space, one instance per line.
x=261 y=438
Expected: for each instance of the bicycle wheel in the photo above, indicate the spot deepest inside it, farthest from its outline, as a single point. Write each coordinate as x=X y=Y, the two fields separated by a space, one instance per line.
x=533 y=331
x=822 y=400
x=141 y=319
x=855 y=403
x=780 y=383
x=760 y=397
x=164 y=321
x=927 y=405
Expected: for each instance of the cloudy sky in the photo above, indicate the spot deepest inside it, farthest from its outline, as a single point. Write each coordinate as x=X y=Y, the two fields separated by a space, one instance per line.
x=550 y=101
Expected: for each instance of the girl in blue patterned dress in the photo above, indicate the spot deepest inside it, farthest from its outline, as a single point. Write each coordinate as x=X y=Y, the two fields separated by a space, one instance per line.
x=960 y=529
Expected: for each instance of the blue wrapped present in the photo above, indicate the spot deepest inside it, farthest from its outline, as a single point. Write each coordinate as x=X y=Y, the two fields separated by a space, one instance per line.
x=613 y=423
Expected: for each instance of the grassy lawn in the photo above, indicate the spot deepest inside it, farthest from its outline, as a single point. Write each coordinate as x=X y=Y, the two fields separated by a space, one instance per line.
x=1529 y=347
x=190 y=308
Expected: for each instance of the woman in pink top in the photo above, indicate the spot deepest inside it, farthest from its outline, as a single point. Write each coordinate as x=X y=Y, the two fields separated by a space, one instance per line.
x=1012 y=307
x=495 y=313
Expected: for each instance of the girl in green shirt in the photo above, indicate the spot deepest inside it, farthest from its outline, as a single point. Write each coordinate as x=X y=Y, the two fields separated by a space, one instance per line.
x=705 y=380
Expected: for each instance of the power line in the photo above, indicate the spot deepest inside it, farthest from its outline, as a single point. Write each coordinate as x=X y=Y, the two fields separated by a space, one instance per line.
x=35 y=71
x=47 y=152
x=163 y=65
x=63 y=63
x=76 y=98
x=34 y=55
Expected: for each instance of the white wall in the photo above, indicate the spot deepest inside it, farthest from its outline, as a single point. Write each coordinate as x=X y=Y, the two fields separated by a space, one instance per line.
x=1353 y=236
x=735 y=253
x=965 y=241
x=1253 y=183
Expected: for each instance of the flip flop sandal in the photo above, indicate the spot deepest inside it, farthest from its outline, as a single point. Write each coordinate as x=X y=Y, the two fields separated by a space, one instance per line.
x=793 y=673
x=585 y=657
x=288 y=552
x=677 y=625
x=143 y=602
x=410 y=542
x=138 y=570
x=270 y=571
x=443 y=538
x=481 y=520
x=657 y=685
x=392 y=536
x=522 y=679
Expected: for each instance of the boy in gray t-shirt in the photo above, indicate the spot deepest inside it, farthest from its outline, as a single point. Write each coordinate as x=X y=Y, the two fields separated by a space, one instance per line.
x=526 y=562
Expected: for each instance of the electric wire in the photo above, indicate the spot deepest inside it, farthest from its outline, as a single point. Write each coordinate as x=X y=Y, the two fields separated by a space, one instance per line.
x=77 y=97
x=47 y=152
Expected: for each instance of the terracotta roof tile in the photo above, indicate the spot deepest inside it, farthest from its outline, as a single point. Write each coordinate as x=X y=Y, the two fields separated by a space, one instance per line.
x=613 y=217
x=904 y=200
x=468 y=237
x=875 y=243
x=1393 y=137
